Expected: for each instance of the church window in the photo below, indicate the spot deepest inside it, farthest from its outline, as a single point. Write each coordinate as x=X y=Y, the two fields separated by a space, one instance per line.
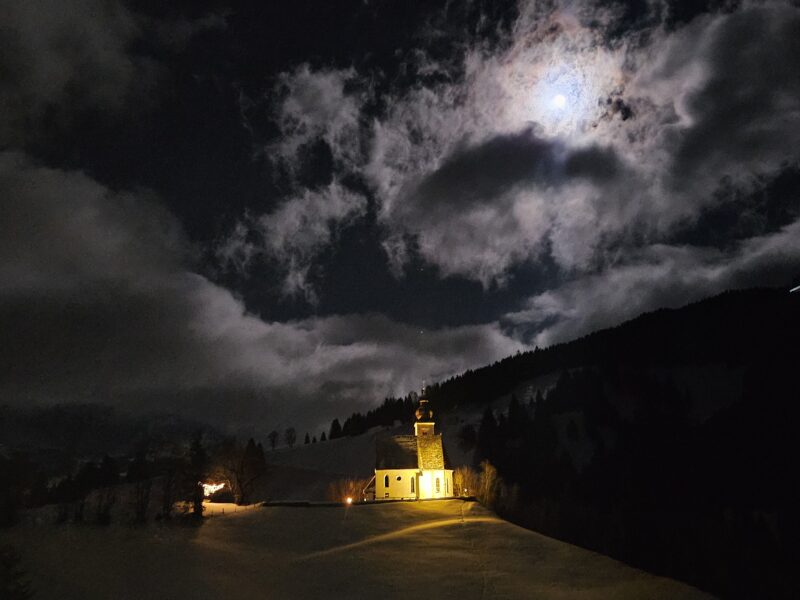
x=385 y=481
x=412 y=485
x=438 y=486
x=399 y=478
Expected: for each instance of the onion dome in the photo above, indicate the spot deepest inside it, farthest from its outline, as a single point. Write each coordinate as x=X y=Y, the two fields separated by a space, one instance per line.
x=424 y=412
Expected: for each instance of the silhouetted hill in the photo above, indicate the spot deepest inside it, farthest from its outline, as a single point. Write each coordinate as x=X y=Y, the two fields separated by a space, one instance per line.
x=668 y=441
x=737 y=329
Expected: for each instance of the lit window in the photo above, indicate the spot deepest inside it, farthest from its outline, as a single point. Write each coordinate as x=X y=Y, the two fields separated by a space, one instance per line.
x=385 y=481
x=438 y=486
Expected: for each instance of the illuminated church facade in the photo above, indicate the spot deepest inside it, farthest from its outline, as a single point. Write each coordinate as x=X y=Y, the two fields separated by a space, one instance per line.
x=412 y=467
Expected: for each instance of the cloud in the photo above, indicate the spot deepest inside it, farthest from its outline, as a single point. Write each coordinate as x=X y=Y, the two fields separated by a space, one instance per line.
x=293 y=235
x=309 y=108
x=99 y=303
x=313 y=106
x=60 y=57
x=64 y=59
x=657 y=276
x=474 y=167
x=725 y=93
x=500 y=202
x=653 y=125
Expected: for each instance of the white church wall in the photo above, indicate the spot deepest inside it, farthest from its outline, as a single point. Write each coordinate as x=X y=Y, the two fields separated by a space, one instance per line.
x=399 y=484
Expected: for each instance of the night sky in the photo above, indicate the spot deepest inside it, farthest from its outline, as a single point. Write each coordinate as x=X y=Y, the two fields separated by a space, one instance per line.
x=270 y=214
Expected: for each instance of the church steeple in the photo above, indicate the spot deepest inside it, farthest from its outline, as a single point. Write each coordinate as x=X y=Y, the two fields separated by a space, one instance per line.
x=424 y=424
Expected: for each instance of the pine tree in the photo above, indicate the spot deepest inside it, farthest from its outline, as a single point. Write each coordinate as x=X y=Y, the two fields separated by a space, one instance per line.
x=308 y=439
x=487 y=436
x=273 y=438
x=322 y=438
x=336 y=430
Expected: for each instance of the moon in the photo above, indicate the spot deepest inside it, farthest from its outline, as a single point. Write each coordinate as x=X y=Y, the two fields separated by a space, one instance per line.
x=559 y=101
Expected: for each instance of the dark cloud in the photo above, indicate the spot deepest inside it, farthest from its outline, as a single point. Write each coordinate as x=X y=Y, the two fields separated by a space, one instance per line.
x=747 y=107
x=61 y=58
x=481 y=173
x=98 y=303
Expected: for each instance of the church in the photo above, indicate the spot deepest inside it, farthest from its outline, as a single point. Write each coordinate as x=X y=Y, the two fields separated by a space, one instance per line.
x=412 y=467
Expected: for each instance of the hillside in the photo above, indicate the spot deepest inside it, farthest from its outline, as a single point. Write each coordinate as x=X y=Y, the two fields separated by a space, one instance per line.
x=667 y=442
x=451 y=549
x=735 y=330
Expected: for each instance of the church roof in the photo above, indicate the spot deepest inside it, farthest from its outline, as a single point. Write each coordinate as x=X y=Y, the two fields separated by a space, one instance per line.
x=409 y=452
x=396 y=452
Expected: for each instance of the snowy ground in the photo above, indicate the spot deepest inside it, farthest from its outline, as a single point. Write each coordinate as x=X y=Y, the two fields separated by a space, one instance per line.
x=442 y=549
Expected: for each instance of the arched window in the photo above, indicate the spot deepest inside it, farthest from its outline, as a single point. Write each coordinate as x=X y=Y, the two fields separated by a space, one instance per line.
x=412 y=485
x=438 y=485
x=386 y=481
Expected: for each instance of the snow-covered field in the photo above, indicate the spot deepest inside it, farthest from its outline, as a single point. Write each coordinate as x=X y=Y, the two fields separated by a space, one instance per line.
x=440 y=549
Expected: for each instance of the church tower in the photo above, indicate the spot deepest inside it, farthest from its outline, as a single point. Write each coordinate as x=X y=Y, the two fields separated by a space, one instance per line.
x=424 y=424
x=413 y=466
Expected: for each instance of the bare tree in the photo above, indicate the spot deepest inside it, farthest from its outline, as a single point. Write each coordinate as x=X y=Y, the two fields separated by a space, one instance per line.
x=273 y=438
x=290 y=436
x=169 y=487
x=466 y=482
x=141 y=500
x=140 y=474
x=342 y=489
x=105 y=498
x=240 y=467
x=490 y=484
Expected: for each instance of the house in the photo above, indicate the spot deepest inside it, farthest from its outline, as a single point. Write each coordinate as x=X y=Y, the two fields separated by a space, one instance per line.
x=413 y=466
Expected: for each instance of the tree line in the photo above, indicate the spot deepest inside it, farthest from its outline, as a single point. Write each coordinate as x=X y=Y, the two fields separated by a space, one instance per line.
x=149 y=485
x=712 y=504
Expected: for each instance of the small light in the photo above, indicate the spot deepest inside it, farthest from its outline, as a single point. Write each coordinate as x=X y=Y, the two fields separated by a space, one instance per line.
x=349 y=500
x=559 y=101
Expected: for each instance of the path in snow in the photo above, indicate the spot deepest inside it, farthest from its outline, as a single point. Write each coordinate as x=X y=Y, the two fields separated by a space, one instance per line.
x=443 y=549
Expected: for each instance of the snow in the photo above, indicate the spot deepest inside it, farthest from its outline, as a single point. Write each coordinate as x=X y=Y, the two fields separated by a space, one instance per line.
x=437 y=549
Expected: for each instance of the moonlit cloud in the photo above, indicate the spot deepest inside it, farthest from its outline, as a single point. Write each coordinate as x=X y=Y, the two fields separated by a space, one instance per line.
x=98 y=305
x=660 y=107
x=293 y=234
x=562 y=142
x=316 y=106
x=637 y=163
x=660 y=275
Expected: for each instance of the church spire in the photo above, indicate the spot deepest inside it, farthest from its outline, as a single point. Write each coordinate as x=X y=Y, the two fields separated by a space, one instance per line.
x=424 y=423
